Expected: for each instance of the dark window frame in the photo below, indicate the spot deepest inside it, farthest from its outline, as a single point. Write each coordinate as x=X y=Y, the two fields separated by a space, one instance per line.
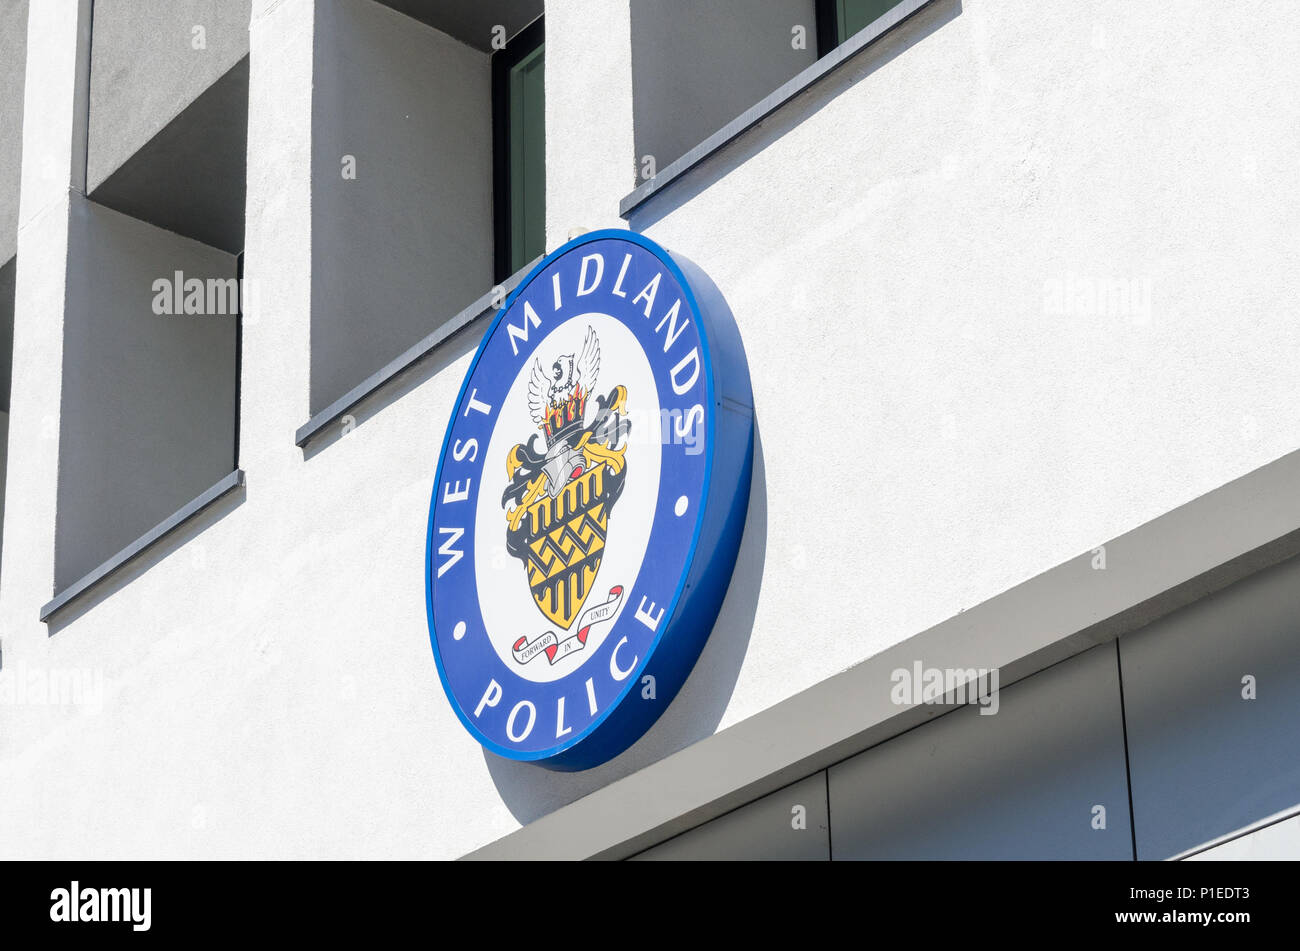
x=828 y=26
x=517 y=48
x=829 y=32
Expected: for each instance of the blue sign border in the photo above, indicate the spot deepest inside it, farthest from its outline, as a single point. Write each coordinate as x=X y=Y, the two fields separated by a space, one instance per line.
x=692 y=611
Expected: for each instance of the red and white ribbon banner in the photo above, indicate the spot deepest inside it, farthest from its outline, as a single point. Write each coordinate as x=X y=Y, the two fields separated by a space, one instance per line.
x=554 y=648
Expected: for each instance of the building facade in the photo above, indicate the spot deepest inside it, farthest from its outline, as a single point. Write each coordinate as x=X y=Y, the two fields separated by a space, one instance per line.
x=1015 y=284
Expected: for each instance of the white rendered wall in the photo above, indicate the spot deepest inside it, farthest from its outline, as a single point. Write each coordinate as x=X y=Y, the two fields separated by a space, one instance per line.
x=13 y=43
x=938 y=424
x=589 y=133
x=934 y=426
x=32 y=474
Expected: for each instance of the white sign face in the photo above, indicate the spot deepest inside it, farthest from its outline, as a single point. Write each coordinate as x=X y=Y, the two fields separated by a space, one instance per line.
x=503 y=578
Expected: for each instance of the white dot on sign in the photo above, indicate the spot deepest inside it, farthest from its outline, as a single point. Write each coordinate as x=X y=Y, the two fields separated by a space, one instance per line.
x=680 y=507
x=459 y=630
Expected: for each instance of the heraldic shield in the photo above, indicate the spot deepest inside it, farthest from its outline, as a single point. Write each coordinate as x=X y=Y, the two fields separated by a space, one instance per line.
x=564 y=496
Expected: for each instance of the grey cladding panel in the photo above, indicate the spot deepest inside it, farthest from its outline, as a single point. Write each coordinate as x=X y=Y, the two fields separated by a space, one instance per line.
x=1205 y=760
x=1018 y=784
x=765 y=829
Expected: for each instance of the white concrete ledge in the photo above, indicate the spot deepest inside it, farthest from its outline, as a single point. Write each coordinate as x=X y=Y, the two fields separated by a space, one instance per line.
x=751 y=117
x=1167 y=563
x=143 y=543
x=425 y=348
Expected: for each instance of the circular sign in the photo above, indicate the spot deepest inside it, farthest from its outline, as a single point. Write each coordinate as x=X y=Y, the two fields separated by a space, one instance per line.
x=589 y=502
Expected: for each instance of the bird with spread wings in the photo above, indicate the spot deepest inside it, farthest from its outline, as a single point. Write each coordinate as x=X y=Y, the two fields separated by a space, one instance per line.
x=568 y=374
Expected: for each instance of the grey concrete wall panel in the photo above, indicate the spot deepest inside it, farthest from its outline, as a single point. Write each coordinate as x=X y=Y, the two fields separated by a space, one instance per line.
x=695 y=67
x=789 y=824
x=148 y=406
x=145 y=69
x=190 y=177
x=1205 y=761
x=471 y=21
x=1019 y=784
x=407 y=244
x=13 y=67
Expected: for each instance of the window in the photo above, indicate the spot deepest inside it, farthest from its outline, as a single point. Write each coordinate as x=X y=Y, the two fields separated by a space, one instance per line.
x=519 y=149
x=401 y=194
x=406 y=193
x=837 y=20
x=150 y=402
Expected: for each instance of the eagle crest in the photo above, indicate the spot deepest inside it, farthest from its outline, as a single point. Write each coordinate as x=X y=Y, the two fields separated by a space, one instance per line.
x=569 y=373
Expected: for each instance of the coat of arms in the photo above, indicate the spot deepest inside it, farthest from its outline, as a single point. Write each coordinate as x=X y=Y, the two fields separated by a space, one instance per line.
x=564 y=491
